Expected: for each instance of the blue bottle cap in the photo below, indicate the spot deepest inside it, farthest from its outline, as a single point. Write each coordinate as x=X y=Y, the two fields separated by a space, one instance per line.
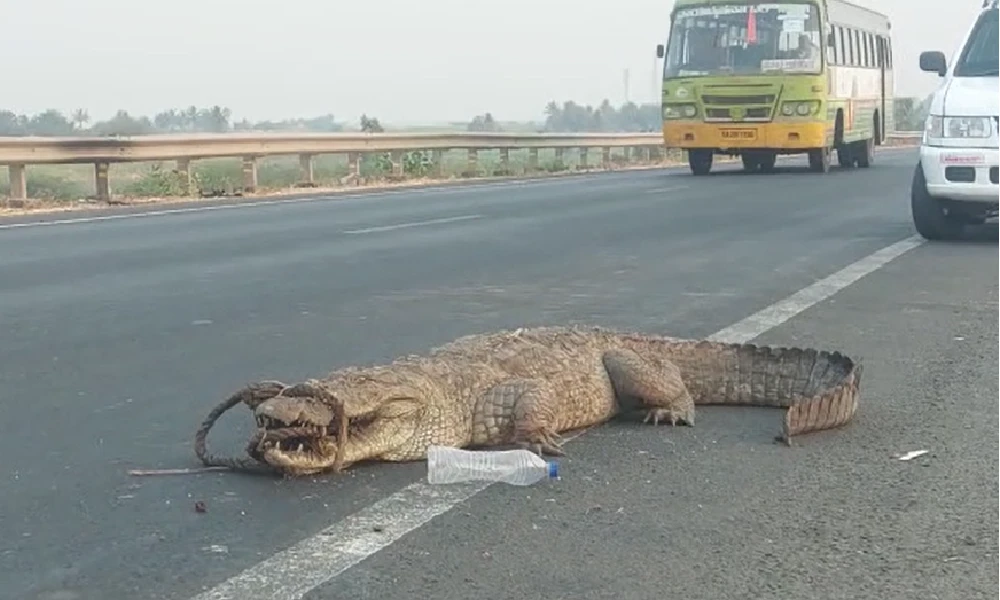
x=553 y=469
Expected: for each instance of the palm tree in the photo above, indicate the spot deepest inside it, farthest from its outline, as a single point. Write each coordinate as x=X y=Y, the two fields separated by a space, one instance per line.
x=80 y=118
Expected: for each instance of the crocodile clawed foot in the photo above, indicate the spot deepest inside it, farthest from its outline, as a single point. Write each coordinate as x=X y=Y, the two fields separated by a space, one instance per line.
x=543 y=444
x=668 y=416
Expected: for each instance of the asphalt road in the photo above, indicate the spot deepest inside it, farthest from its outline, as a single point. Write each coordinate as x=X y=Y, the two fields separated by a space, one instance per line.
x=118 y=335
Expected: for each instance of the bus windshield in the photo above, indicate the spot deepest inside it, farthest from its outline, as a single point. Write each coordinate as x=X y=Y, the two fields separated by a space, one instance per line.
x=744 y=39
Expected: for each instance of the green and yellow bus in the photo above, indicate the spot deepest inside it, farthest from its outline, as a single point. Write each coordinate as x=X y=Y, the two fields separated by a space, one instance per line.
x=757 y=79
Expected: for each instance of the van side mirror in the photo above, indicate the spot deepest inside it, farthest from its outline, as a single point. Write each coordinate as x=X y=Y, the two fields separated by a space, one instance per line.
x=934 y=61
x=660 y=51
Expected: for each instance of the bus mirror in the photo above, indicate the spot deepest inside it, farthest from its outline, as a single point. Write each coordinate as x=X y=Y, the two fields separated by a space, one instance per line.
x=934 y=61
x=659 y=51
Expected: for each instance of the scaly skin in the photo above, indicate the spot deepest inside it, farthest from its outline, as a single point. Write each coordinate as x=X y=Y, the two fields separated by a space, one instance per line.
x=525 y=387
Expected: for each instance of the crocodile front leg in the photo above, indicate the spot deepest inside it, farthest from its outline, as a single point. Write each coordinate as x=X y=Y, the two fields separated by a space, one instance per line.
x=521 y=411
x=658 y=386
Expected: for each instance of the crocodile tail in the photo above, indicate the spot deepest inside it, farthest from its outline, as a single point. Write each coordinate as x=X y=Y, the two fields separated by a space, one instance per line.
x=818 y=389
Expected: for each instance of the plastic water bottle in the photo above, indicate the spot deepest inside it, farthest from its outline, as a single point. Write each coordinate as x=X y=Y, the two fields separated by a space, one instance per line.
x=516 y=467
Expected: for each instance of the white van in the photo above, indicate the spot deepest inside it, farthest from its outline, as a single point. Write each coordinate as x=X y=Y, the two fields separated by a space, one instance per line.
x=955 y=182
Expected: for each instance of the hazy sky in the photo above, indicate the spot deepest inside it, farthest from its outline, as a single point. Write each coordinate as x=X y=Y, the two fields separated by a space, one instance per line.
x=399 y=60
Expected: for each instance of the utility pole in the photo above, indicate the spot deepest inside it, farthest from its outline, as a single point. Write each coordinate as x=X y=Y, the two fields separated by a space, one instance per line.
x=656 y=82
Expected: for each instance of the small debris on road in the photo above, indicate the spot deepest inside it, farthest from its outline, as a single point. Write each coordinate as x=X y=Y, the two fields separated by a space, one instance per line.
x=911 y=454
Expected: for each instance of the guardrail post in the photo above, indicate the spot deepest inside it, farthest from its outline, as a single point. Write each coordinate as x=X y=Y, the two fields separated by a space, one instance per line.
x=437 y=163
x=306 y=172
x=504 y=169
x=532 y=159
x=184 y=171
x=354 y=167
x=102 y=182
x=472 y=167
x=627 y=154
x=583 y=159
x=559 y=160
x=18 y=182
x=606 y=157
x=249 y=174
x=396 y=156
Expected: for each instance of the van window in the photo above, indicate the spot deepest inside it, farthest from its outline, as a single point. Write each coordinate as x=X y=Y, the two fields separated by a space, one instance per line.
x=981 y=56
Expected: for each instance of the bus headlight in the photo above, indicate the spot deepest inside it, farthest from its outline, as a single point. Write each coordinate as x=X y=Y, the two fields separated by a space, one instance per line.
x=680 y=111
x=801 y=108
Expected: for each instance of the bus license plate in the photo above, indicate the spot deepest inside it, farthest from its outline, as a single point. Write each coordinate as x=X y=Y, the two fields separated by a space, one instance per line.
x=739 y=134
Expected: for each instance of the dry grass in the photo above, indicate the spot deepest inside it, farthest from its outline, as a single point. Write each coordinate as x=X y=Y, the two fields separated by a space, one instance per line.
x=60 y=188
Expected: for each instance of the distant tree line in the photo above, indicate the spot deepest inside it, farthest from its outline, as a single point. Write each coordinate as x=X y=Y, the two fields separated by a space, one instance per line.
x=566 y=117
x=216 y=119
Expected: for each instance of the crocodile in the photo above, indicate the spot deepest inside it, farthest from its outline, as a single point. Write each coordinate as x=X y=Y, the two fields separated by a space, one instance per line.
x=526 y=387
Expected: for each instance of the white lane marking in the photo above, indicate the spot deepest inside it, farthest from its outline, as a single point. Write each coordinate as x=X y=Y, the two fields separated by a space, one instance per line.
x=292 y=573
x=413 y=224
x=358 y=195
x=675 y=188
x=779 y=312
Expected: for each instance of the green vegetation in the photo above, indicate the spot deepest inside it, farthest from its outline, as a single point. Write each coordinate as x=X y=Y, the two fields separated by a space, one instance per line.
x=910 y=113
x=144 y=180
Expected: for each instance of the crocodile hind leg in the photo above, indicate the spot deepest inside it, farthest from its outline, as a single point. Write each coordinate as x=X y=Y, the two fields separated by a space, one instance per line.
x=522 y=411
x=656 y=385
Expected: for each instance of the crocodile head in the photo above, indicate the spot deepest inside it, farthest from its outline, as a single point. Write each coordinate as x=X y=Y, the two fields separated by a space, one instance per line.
x=356 y=416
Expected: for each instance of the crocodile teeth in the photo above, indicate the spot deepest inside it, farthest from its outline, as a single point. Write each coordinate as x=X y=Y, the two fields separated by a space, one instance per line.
x=301 y=448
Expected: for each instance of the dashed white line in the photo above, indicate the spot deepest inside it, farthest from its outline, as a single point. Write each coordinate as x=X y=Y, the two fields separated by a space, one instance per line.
x=354 y=195
x=292 y=573
x=413 y=224
x=663 y=190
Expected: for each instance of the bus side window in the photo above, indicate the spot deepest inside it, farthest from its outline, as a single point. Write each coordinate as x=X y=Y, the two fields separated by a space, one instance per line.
x=871 y=50
x=844 y=58
x=839 y=45
x=850 y=47
x=879 y=49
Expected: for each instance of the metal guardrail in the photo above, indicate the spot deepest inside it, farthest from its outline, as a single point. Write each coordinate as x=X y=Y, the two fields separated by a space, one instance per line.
x=17 y=152
x=66 y=150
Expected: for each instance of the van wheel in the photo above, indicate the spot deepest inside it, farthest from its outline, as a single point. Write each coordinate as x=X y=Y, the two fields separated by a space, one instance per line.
x=929 y=217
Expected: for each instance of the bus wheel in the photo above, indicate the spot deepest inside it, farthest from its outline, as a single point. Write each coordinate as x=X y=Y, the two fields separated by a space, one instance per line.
x=819 y=160
x=750 y=162
x=845 y=156
x=864 y=151
x=767 y=161
x=700 y=161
